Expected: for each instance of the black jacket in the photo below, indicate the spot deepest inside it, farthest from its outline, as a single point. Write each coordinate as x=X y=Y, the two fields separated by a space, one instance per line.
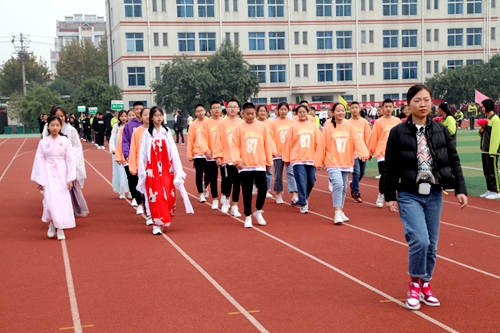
x=401 y=165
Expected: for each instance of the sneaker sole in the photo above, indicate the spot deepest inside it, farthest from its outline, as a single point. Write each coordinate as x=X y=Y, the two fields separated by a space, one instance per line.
x=413 y=308
x=429 y=303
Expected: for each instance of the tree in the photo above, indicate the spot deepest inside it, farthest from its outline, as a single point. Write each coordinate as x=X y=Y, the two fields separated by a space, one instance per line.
x=11 y=77
x=458 y=85
x=79 y=61
x=186 y=82
x=95 y=92
x=37 y=101
x=62 y=86
x=14 y=107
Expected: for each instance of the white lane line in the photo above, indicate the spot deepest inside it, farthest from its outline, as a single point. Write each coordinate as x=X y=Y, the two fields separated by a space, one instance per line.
x=71 y=290
x=4 y=141
x=217 y=286
x=469 y=229
x=12 y=160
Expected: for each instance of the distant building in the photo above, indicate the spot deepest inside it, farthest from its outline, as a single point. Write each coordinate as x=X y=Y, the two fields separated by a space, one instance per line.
x=315 y=50
x=79 y=27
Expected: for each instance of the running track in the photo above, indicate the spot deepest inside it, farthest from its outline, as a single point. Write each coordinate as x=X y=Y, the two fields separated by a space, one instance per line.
x=300 y=273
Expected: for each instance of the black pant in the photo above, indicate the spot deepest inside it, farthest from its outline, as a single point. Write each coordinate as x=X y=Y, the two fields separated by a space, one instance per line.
x=230 y=180
x=247 y=179
x=472 y=120
x=108 y=134
x=490 y=170
x=132 y=184
x=179 y=132
x=211 y=174
x=381 y=167
x=199 y=166
x=99 y=139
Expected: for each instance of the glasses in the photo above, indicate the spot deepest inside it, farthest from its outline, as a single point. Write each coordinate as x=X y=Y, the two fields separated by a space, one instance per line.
x=215 y=108
x=233 y=107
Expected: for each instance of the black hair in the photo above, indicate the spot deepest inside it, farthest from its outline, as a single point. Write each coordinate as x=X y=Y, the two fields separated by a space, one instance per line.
x=262 y=106
x=152 y=111
x=285 y=104
x=233 y=100
x=388 y=101
x=138 y=103
x=52 y=118
x=414 y=90
x=214 y=102
x=354 y=103
x=333 y=110
x=119 y=115
x=444 y=106
x=489 y=105
x=146 y=109
x=197 y=105
x=56 y=108
x=248 y=105
x=304 y=101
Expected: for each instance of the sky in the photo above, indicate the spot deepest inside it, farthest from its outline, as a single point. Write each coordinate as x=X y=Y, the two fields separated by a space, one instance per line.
x=37 y=19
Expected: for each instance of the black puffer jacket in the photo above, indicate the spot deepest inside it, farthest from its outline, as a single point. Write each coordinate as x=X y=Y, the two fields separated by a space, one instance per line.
x=401 y=165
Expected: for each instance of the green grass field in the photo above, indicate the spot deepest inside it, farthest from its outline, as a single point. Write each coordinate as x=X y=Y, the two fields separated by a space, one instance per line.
x=470 y=157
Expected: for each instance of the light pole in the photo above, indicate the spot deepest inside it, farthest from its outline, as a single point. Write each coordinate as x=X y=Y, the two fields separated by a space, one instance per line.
x=21 y=52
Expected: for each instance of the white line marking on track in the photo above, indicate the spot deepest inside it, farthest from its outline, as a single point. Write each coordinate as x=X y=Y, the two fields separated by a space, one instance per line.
x=12 y=160
x=4 y=141
x=71 y=290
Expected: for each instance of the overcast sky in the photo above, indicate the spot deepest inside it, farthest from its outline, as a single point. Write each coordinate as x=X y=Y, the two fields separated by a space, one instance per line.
x=37 y=19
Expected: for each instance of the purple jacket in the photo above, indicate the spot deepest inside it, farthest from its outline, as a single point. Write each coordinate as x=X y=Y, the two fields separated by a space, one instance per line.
x=127 y=135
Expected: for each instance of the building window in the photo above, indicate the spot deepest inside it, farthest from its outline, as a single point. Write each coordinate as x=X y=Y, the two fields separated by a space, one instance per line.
x=455 y=6
x=363 y=36
x=372 y=97
x=136 y=76
x=372 y=68
x=363 y=68
x=165 y=39
x=370 y=36
x=257 y=41
x=436 y=66
x=228 y=36
x=343 y=7
x=236 y=38
x=473 y=36
x=323 y=7
x=324 y=40
x=348 y=98
x=255 y=8
x=276 y=8
x=297 y=70
x=135 y=42
x=428 y=33
x=277 y=73
x=390 y=38
x=133 y=8
x=156 y=39
x=325 y=72
x=454 y=64
x=363 y=98
x=157 y=73
x=474 y=6
x=306 y=70
x=304 y=5
x=409 y=38
x=259 y=100
x=207 y=41
x=206 y=8
x=428 y=4
x=304 y=37
x=493 y=33
x=363 y=5
x=226 y=5
x=277 y=100
x=394 y=97
x=276 y=41
x=296 y=38
x=436 y=4
x=390 y=70
x=436 y=35
x=428 y=67
x=474 y=61
x=163 y=5
x=186 y=42
x=185 y=8
x=344 y=72
x=370 y=5
x=235 y=5
x=390 y=7
x=409 y=69
x=327 y=98
x=155 y=6
x=295 y=5
x=408 y=7
x=260 y=70
x=455 y=37
x=493 y=4
x=344 y=40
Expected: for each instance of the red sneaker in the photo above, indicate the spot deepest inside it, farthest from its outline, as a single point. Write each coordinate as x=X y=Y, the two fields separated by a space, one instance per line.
x=427 y=296
x=413 y=300
x=357 y=198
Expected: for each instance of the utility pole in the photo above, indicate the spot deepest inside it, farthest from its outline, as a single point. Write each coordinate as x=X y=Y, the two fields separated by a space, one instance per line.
x=21 y=52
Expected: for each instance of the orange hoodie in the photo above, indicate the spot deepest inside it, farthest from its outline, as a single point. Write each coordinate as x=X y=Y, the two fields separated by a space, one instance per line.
x=268 y=123
x=379 y=136
x=252 y=145
x=135 y=146
x=223 y=138
x=309 y=118
x=194 y=140
x=363 y=128
x=119 y=158
x=339 y=146
x=278 y=129
x=302 y=141
x=208 y=134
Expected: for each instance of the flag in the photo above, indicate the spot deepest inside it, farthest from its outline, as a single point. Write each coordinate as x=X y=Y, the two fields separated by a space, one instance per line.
x=478 y=98
x=300 y=99
x=342 y=101
x=225 y=104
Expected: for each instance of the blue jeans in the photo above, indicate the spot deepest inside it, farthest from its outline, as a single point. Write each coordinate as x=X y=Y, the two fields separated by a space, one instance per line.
x=420 y=215
x=269 y=174
x=278 y=177
x=305 y=177
x=357 y=174
x=339 y=180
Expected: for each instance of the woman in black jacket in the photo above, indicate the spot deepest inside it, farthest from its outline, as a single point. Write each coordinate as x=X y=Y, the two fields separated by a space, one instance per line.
x=420 y=161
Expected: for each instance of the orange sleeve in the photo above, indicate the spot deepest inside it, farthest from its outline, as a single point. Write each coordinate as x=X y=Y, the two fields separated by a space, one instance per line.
x=319 y=144
x=270 y=148
x=235 y=146
x=319 y=154
x=204 y=136
x=287 y=146
x=367 y=133
x=372 y=143
x=218 y=152
x=191 y=140
x=360 y=148
x=118 y=151
x=133 y=157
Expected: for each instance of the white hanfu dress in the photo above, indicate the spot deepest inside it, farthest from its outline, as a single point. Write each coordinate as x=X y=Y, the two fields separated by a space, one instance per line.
x=54 y=168
x=120 y=182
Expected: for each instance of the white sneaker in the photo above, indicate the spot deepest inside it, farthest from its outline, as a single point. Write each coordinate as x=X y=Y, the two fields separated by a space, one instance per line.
x=139 y=210
x=330 y=186
x=157 y=230
x=378 y=177
x=122 y=196
x=60 y=234
x=493 y=195
x=202 y=198
x=248 y=222
x=258 y=216
x=279 y=199
x=205 y=192
x=134 y=203
x=149 y=220
x=254 y=190
x=485 y=194
x=225 y=205
x=52 y=230
x=129 y=196
x=215 y=204
x=235 y=212
x=344 y=218
x=304 y=209
x=295 y=200
x=380 y=200
x=337 y=217
x=268 y=195
x=102 y=147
